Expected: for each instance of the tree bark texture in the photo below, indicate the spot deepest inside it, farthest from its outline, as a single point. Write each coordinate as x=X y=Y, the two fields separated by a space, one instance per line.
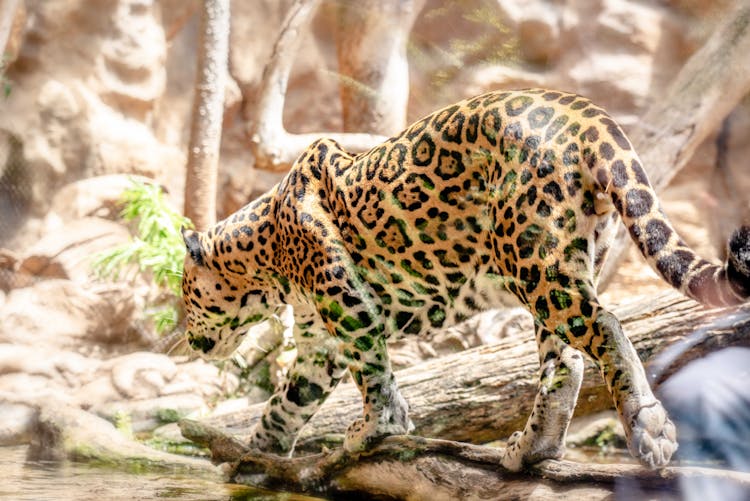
x=207 y=114
x=371 y=45
x=486 y=393
x=708 y=87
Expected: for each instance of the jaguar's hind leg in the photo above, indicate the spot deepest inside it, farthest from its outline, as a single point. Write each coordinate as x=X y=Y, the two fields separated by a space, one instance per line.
x=650 y=434
x=313 y=376
x=560 y=376
x=576 y=317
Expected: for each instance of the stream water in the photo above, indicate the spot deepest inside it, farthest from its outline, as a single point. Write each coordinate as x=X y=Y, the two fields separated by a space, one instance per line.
x=22 y=480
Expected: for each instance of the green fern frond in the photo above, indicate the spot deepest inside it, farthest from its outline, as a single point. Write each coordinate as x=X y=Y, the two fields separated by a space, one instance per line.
x=157 y=249
x=165 y=319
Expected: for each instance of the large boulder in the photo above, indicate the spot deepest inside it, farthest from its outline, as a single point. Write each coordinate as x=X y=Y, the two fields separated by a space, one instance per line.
x=85 y=86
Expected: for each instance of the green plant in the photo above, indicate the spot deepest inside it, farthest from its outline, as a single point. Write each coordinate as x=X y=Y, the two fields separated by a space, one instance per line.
x=157 y=248
x=123 y=423
x=166 y=415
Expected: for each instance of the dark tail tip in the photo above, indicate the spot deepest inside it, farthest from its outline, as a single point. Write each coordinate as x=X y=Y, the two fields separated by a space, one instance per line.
x=738 y=261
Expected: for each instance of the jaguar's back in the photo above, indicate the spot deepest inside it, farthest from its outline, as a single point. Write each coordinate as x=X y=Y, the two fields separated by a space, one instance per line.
x=506 y=192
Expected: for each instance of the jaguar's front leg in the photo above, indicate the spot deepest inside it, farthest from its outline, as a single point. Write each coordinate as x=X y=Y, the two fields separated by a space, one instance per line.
x=385 y=409
x=313 y=376
x=355 y=318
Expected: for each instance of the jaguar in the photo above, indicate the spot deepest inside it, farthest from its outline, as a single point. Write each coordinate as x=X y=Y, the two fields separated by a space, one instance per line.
x=508 y=198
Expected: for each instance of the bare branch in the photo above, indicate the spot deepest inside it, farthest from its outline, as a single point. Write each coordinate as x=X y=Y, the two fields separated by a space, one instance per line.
x=371 y=44
x=274 y=148
x=8 y=10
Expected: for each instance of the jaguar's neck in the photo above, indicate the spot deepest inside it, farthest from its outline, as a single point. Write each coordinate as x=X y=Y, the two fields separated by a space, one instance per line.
x=248 y=236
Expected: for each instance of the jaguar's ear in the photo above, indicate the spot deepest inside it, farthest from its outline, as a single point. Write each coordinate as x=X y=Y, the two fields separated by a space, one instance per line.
x=193 y=245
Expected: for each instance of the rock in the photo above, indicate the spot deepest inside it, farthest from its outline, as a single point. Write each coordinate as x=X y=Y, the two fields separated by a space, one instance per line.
x=97 y=196
x=231 y=405
x=148 y=388
x=537 y=25
x=141 y=375
x=541 y=37
x=26 y=388
x=125 y=144
x=130 y=64
x=69 y=251
x=17 y=424
x=66 y=432
x=65 y=315
x=151 y=389
x=204 y=379
x=9 y=276
x=145 y=415
x=62 y=366
x=70 y=127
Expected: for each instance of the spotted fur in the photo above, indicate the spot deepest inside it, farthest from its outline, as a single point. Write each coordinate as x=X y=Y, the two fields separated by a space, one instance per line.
x=506 y=198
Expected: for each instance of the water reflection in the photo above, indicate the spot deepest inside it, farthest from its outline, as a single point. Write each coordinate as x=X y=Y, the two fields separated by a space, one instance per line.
x=53 y=481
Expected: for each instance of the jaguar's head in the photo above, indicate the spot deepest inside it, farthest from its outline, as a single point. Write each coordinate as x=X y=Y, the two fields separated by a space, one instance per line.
x=221 y=302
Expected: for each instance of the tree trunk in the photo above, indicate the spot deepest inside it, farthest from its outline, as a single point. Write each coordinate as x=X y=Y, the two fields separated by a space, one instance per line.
x=374 y=72
x=207 y=114
x=705 y=91
x=486 y=393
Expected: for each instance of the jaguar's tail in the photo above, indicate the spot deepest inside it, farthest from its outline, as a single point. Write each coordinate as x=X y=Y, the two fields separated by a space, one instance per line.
x=632 y=195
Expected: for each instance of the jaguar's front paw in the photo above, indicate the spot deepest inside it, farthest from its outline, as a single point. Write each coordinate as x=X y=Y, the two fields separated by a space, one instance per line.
x=523 y=450
x=265 y=441
x=513 y=455
x=652 y=438
x=361 y=434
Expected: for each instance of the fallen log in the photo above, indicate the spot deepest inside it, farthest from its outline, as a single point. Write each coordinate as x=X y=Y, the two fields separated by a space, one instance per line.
x=412 y=467
x=486 y=393
x=477 y=396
